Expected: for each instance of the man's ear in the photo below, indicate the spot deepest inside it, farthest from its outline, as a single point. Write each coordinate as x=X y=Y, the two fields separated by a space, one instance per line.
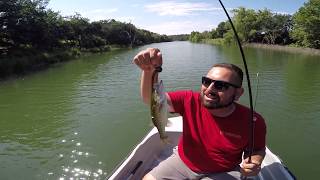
x=239 y=92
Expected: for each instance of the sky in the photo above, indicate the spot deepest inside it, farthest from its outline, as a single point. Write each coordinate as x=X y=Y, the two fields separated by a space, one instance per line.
x=168 y=17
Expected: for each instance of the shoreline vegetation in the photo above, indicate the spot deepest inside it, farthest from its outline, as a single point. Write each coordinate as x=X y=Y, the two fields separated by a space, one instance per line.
x=33 y=37
x=298 y=32
x=275 y=47
x=34 y=61
x=308 y=51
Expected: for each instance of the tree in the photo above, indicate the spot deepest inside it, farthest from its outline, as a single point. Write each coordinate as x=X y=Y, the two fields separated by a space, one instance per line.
x=221 y=29
x=306 y=25
x=79 y=27
x=27 y=24
x=261 y=26
x=195 y=36
x=244 y=22
x=273 y=28
x=8 y=18
x=213 y=34
x=280 y=27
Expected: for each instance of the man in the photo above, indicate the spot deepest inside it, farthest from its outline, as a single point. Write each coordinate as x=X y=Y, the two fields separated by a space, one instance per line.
x=215 y=127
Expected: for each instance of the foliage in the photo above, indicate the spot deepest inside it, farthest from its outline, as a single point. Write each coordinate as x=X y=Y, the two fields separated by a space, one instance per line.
x=180 y=37
x=306 y=25
x=31 y=35
x=261 y=26
x=197 y=36
x=27 y=24
x=221 y=30
x=244 y=21
x=216 y=41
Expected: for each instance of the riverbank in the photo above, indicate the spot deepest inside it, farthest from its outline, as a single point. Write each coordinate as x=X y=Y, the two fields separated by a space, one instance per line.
x=29 y=61
x=309 y=51
x=287 y=48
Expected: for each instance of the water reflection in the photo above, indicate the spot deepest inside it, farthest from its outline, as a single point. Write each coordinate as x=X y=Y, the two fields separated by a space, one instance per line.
x=80 y=119
x=71 y=162
x=38 y=112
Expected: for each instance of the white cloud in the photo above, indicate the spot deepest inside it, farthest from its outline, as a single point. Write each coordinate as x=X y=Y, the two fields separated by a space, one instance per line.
x=282 y=13
x=104 y=14
x=99 y=14
x=178 y=27
x=104 y=11
x=178 y=9
x=127 y=19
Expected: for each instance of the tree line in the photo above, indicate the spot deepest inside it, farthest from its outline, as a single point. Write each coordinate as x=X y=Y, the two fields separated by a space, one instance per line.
x=32 y=35
x=262 y=26
x=27 y=24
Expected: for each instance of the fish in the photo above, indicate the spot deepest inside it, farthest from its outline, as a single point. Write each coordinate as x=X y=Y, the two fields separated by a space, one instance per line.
x=159 y=110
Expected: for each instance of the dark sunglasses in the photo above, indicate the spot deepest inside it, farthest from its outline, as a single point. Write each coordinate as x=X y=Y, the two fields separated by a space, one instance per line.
x=218 y=85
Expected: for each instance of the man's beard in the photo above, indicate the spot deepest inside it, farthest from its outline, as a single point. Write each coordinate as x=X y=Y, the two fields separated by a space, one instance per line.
x=217 y=104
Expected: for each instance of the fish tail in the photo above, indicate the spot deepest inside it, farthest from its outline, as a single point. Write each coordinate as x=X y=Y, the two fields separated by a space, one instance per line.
x=165 y=140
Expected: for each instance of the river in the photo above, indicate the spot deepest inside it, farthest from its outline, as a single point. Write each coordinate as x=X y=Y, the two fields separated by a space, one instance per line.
x=81 y=118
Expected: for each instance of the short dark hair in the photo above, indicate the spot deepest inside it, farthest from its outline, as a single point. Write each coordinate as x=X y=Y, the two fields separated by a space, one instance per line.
x=233 y=68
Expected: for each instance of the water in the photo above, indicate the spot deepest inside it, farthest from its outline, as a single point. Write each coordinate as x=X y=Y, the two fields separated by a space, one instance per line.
x=81 y=118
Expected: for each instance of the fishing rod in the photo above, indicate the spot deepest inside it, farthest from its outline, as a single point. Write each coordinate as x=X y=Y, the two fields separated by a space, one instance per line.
x=251 y=120
x=257 y=90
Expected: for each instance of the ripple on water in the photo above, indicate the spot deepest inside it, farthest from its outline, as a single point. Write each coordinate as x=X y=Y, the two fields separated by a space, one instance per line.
x=73 y=163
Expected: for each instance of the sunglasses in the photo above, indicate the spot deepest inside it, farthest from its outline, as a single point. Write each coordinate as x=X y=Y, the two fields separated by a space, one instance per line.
x=218 y=85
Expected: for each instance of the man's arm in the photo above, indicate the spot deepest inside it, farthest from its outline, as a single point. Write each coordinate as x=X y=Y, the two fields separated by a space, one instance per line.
x=253 y=168
x=147 y=60
x=145 y=85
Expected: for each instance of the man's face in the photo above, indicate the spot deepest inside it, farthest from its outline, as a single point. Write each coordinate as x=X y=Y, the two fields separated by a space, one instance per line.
x=212 y=95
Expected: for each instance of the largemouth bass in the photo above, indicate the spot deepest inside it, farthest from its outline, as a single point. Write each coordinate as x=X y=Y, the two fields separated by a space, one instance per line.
x=159 y=109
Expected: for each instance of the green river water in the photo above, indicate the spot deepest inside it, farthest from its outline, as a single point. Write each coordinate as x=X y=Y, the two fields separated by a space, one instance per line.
x=80 y=119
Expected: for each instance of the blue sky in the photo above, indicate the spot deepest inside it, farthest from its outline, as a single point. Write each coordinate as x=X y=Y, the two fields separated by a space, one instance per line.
x=167 y=16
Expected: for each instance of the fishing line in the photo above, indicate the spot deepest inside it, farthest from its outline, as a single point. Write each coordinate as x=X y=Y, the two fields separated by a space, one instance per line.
x=251 y=120
x=257 y=90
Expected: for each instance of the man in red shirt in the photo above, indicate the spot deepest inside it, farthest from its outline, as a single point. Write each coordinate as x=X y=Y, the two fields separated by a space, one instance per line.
x=215 y=127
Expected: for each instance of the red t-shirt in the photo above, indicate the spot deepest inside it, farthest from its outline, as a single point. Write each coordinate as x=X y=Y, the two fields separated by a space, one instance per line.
x=214 y=144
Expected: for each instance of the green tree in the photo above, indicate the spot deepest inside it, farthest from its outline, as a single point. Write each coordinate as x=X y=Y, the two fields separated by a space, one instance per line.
x=180 y=37
x=213 y=34
x=279 y=29
x=261 y=26
x=306 y=25
x=244 y=22
x=79 y=26
x=221 y=29
x=274 y=28
x=25 y=23
x=8 y=18
x=195 y=36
